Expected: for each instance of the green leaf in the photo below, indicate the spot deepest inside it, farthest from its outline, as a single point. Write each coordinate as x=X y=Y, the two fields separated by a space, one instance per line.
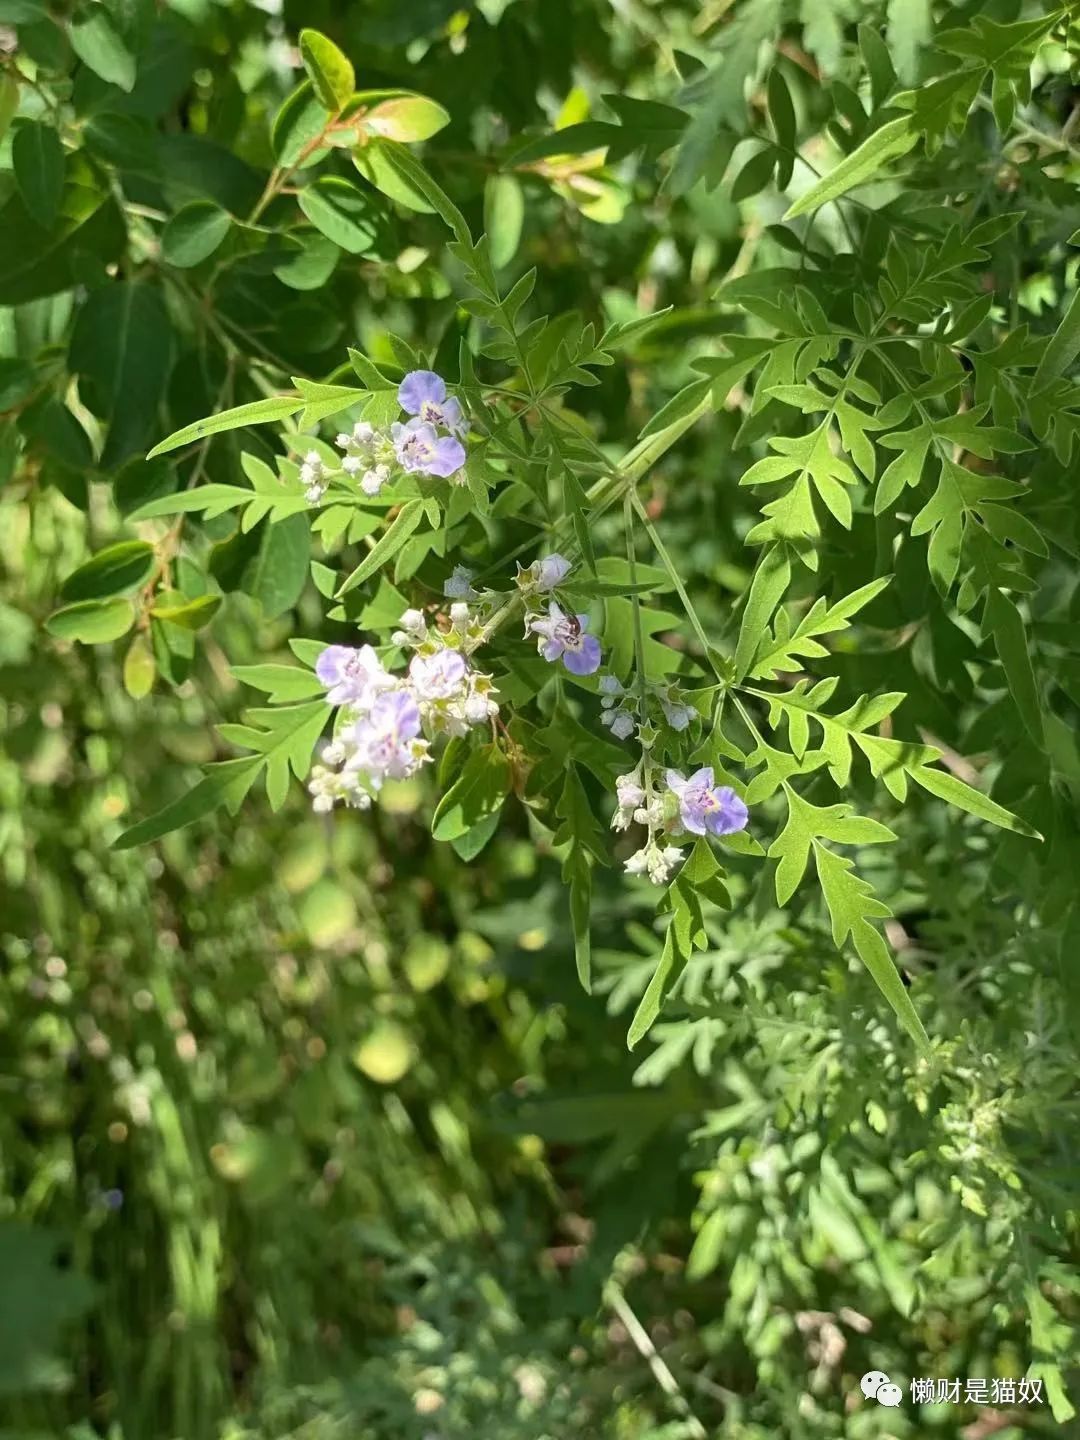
x=259 y=412
x=476 y=795
x=782 y=115
x=879 y=66
x=37 y=157
x=1002 y=620
x=191 y=615
x=373 y=162
x=45 y=1294
x=122 y=348
x=948 y=787
x=311 y=267
x=297 y=125
x=331 y=73
x=577 y=139
x=140 y=668
x=388 y=544
x=280 y=569
x=115 y=571
x=678 y=407
x=754 y=175
x=280 y=682
x=415 y=178
x=98 y=45
x=698 y=878
x=224 y=784
x=341 y=211
x=851 y=903
x=213 y=499
x=194 y=233
x=1063 y=348
x=771 y=579
x=407 y=118
x=504 y=215
x=92 y=622
x=33 y=265
x=892 y=140
x=9 y=99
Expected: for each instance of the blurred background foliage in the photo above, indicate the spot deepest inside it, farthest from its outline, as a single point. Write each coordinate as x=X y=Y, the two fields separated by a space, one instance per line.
x=306 y=1128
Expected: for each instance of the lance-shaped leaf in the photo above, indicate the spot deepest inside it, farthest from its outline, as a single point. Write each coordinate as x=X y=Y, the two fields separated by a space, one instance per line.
x=892 y=140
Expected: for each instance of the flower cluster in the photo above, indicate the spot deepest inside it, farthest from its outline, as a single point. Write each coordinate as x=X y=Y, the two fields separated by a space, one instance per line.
x=387 y=721
x=673 y=807
x=624 y=712
x=417 y=446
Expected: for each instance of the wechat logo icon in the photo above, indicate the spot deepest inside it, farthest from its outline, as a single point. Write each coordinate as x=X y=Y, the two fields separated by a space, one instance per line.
x=876 y=1385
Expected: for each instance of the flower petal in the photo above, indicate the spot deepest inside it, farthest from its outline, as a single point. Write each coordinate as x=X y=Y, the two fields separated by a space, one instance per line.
x=448 y=457
x=586 y=658
x=418 y=386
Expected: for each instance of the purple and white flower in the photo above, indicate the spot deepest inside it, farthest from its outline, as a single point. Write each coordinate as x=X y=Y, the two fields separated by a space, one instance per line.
x=704 y=809
x=423 y=393
x=352 y=676
x=630 y=796
x=384 y=742
x=565 y=637
x=419 y=449
x=438 y=677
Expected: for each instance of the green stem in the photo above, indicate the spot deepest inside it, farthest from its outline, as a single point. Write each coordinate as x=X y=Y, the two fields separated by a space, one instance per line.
x=635 y=602
x=680 y=589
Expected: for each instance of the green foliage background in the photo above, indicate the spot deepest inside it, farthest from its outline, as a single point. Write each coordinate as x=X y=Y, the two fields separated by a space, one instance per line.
x=307 y=1126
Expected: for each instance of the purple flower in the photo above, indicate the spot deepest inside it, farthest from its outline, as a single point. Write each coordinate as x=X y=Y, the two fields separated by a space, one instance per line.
x=419 y=448
x=437 y=677
x=383 y=737
x=566 y=637
x=353 y=677
x=550 y=571
x=704 y=809
x=423 y=393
